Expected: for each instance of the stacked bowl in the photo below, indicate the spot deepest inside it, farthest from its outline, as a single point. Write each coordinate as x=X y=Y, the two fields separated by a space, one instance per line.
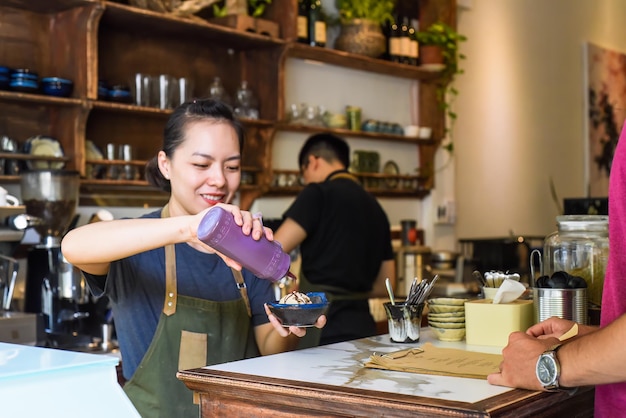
x=5 y=74
x=24 y=80
x=446 y=318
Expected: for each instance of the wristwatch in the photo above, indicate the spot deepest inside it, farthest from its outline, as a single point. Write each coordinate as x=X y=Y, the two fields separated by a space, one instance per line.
x=549 y=370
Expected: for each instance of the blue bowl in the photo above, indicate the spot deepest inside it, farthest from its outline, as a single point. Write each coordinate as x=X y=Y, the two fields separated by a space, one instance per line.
x=5 y=71
x=120 y=94
x=103 y=90
x=26 y=86
x=24 y=73
x=301 y=315
x=56 y=86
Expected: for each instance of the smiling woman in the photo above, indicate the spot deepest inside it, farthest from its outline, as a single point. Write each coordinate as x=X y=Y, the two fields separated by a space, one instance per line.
x=172 y=294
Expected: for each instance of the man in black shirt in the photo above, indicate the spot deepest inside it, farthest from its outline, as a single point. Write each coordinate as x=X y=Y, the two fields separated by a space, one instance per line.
x=344 y=237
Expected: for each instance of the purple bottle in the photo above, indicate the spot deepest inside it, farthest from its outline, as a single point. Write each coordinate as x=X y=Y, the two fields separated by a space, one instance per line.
x=266 y=259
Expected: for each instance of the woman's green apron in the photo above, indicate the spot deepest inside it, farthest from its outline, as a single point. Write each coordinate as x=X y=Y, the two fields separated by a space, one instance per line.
x=191 y=333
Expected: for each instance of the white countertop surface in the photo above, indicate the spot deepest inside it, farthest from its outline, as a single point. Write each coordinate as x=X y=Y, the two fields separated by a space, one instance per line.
x=22 y=360
x=341 y=364
x=47 y=382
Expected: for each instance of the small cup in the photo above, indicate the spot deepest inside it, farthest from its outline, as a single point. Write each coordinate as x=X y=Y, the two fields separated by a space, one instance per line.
x=425 y=132
x=113 y=171
x=142 y=89
x=165 y=93
x=185 y=91
x=490 y=292
x=411 y=130
x=126 y=154
x=8 y=200
x=353 y=117
x=404 y=321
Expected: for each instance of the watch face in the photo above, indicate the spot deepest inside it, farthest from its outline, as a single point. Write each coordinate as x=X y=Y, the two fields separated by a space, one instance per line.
x=546 y=370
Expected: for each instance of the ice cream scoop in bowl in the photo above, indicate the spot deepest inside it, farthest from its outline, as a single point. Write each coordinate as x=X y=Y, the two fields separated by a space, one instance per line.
x=295 y=310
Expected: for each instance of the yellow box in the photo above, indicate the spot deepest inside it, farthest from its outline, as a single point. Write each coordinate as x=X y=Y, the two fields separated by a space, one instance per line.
x=487 y=323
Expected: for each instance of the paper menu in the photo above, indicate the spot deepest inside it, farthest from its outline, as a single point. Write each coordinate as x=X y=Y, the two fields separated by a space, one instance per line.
x=429 y=359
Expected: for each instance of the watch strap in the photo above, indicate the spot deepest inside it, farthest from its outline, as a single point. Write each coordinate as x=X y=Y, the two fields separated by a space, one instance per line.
x=556 y=387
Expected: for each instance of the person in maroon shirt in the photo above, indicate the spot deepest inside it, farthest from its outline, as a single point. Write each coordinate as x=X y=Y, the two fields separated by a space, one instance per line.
x=596 y=356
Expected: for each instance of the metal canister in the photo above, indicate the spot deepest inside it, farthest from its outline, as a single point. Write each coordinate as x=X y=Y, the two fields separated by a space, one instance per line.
x=564 y=303
x=580 y=247
x=353 y=117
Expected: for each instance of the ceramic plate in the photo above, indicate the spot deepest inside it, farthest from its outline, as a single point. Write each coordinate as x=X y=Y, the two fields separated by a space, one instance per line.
x=447 y=301
x=447 y=325
x=391 y=169
x=446 y=308
x=446 y=319
x=447 y=314
x=44 y=146
x=447 y=334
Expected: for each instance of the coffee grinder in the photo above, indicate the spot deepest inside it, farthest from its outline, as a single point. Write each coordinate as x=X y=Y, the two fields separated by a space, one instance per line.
x=54 y=288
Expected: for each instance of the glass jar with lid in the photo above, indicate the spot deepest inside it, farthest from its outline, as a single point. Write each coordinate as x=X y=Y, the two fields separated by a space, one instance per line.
x=580 y=247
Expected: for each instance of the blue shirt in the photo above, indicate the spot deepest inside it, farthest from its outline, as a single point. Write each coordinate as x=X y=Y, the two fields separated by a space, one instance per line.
x=136 y=289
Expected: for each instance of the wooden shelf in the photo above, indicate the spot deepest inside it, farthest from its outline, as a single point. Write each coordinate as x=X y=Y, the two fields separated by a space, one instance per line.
x=378 y=184
x=45 y=6
x=19 y=97
x=377 y=136
x=141 y=20
x=129 y=108
x=359 y=62
x=92 y=40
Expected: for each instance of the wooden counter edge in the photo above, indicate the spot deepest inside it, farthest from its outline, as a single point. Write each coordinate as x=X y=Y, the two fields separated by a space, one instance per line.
x=240 y=395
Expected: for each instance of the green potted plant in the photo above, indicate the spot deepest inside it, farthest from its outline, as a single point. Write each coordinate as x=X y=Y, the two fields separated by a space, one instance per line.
x=254 y=8
x=361 y=20
x=439 y=47
x=379 y=11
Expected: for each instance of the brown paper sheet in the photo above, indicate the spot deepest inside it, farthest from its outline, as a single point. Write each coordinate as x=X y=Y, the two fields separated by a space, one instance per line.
x=429 y=359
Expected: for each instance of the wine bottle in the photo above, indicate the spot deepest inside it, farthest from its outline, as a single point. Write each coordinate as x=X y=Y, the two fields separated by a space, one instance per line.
x=415 y=24
x=317 y=26
x=413 y=47
x=405 y=41
x=394 y=42
x=303 y=21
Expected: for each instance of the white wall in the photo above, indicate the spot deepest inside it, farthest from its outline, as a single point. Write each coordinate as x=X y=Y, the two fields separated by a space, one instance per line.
x=521 y=109
x=382 y=98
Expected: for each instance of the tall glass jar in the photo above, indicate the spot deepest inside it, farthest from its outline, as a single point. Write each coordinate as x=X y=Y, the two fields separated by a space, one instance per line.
x=580 y=247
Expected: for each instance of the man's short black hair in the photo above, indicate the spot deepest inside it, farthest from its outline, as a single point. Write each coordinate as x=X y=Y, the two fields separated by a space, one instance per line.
x=327 y=146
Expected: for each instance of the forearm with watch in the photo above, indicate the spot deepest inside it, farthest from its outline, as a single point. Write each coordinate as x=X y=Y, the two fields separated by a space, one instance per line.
x=548 y=371
x=592 y=359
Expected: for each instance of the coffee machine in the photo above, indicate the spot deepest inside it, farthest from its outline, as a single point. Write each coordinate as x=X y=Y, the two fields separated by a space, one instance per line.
x=15 y=326
x=54 y=288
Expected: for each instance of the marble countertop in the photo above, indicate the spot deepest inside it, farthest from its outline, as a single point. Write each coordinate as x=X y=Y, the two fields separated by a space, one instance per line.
x=341 y=365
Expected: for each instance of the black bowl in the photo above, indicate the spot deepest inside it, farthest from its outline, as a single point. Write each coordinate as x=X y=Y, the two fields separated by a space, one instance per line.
x=304 y=315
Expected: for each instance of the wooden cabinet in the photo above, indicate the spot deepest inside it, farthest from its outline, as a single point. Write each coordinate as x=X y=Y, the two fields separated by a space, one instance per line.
x=91 y=41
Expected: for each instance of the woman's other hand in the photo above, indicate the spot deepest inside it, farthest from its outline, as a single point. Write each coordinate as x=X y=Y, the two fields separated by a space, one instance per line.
x=297 y=331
